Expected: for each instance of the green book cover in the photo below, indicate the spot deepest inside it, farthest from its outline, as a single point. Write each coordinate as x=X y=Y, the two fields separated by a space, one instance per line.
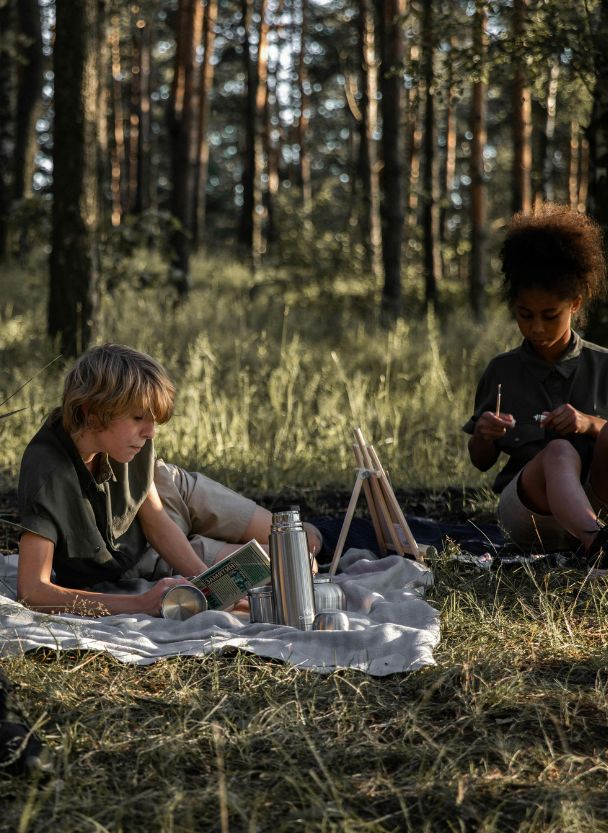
x=230 y=579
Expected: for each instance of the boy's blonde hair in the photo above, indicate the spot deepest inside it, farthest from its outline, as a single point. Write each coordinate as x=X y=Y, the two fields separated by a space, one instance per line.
x=113 y=381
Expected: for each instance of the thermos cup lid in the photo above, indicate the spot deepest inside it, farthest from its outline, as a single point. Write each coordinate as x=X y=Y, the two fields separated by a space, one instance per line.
x=182 y=601
x=290 y=519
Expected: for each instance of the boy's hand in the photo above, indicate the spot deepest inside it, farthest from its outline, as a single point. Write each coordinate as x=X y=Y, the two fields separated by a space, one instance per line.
x=151 y=601
x=492 y=427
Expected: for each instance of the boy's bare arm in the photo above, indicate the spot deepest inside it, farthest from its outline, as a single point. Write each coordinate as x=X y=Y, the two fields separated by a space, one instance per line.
x=167 y=538
x=35 y=588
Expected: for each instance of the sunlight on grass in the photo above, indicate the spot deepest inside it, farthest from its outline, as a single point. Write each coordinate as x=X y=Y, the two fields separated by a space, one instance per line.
x=505 y=733
x=271 y=381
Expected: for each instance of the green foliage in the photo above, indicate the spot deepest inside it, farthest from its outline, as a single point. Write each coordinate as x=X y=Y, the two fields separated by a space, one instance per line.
x=272 y=378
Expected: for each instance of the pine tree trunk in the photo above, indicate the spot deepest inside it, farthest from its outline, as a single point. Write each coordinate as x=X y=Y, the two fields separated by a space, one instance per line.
x=258 y=248
x=413 y=141
x=597 y=130
x=7 y=121
x=522 y=118
x=449 y=164
x=430 y=175
x=143 y=189
x=249 y=172
x=304 y=176
x=181 y=129
x=478 y=188
x=73 y=296
x=252 y=214
x=29 y=87
x=573 y=164
x=391 y=62
x=547 y=134
x=368 y=157
x=206 y=80
x=117 y=153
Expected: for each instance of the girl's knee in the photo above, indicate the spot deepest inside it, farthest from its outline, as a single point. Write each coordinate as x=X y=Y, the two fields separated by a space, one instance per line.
x=562 y=452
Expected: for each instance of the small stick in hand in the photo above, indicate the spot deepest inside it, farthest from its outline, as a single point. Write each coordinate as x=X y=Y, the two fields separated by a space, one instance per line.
x=498 y=397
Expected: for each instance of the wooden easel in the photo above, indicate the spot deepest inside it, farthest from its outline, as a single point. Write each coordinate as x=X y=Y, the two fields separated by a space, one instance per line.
x=387 y=518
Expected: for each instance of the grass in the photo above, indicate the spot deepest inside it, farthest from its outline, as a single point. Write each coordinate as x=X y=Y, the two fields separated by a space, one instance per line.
x=272 y=381
x=506 y=733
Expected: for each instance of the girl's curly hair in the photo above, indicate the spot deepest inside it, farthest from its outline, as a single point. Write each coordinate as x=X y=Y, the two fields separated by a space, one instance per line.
x=555 y=249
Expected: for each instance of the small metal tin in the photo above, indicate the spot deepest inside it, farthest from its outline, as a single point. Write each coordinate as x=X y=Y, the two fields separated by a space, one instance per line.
x=182 y=601
x=261 y=604
x=331 y=620
x=328 y=594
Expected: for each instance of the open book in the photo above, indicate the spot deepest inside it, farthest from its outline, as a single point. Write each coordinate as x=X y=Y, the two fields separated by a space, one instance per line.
x=230 y=579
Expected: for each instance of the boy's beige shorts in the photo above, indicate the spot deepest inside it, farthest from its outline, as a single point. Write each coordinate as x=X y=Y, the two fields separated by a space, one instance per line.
x=210 y=515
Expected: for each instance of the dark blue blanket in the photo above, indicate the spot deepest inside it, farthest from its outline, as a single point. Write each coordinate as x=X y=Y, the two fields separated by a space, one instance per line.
x=471 y=537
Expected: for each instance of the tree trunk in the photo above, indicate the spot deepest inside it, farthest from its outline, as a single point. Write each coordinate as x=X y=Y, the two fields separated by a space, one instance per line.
x=143 y=190
x=304 y=117
x=368 y=157
x=478 y=188
x=271 y=140
x=583 y=175
x=547 y=135
x=29 y=87
x=252 y=215
x=449 y=165
x=430 y=174
x=413 y=142
x=249 y=172
x=73 y=263
x=391 y=62
x=522 y=118
x=206 y=81
x=182 y=124
x=573 y=164
x=261 y=111
x=597 y=130
x=118 y=155
x=7 y=120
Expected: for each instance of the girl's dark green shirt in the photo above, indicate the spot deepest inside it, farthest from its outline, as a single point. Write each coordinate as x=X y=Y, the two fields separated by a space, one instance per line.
x=530 y=386
x=91 y=521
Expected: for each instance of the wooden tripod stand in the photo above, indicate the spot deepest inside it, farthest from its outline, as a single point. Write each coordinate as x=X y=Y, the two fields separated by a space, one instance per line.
x=390 y=526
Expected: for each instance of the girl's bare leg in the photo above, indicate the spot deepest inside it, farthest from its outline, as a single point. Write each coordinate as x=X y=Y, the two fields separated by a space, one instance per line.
x=550 y=484
x=599 y=466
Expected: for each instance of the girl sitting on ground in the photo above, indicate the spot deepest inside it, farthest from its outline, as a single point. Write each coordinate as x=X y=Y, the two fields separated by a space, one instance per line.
x=554 y=390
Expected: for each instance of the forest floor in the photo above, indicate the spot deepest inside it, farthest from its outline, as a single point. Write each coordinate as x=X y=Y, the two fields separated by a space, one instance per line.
x=505 y=733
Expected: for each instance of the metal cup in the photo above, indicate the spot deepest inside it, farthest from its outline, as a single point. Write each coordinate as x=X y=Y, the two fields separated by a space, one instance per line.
x=182 y=601
x=261 y=604
x=328 y=594
x=331 y=620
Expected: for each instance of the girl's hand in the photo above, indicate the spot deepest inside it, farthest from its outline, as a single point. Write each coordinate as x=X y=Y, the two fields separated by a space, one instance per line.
x=565 y=419
x=150 y=602
x=492 y=427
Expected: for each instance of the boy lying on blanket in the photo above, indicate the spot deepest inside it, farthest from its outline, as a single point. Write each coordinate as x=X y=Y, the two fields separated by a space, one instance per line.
x=97 y=507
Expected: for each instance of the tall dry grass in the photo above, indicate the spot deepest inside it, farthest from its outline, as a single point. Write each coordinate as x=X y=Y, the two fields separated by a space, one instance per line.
x=272 y=379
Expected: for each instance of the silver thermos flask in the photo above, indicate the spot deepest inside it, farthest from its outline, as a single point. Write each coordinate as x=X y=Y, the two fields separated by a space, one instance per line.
x=291 y=571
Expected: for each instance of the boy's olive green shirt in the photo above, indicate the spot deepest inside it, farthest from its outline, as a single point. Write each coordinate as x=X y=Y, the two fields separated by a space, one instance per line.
x=92 y=522
x=530 y=385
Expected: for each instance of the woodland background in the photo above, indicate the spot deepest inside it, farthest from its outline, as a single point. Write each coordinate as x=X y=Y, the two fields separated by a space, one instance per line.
x=389 y=139
x=296 y=205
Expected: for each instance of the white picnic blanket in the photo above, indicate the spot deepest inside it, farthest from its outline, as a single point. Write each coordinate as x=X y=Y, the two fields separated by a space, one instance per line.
x=392 y=628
